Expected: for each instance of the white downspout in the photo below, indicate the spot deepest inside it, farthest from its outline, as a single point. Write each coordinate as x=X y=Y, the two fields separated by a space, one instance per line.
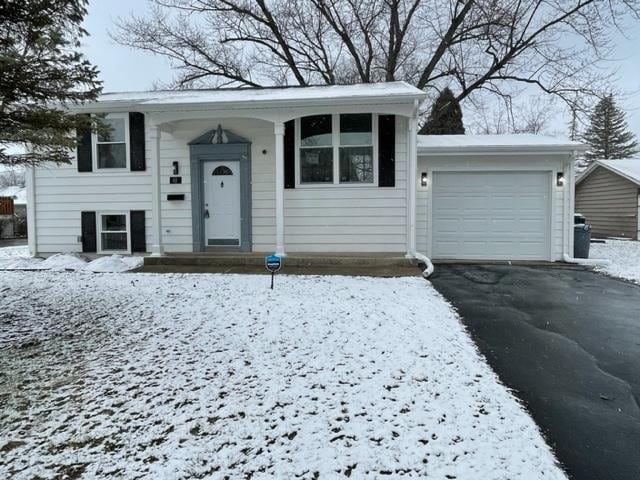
x=412 y=169
x=426 y=273
x=569 y=215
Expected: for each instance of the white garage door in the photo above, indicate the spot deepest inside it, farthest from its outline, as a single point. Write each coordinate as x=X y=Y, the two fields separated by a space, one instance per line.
x=491 y=215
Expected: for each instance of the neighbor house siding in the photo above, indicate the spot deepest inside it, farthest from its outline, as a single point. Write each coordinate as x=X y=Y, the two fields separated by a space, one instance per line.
x=489 y=163
x=62 y=193
x=610 y=204
x=350 y=219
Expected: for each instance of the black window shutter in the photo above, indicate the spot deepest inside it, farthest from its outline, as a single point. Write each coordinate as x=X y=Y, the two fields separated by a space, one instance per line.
x=387 y=151
x=84 y=150
x=89 y=237
x=138 y=238
x=136 y=139
x=290 y=154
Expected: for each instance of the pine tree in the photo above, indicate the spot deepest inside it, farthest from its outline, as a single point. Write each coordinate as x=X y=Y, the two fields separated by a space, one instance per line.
x=41 y=74
x=608 y=135
x=445 y=117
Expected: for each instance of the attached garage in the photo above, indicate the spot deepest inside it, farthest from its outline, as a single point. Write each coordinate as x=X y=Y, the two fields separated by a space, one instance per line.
x=496 y=197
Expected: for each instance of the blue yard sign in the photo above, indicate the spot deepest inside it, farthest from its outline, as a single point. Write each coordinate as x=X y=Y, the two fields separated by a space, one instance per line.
x=273 y=264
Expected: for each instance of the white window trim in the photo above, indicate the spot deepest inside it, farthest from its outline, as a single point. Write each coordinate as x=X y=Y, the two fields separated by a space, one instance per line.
x=127 y=217
x=335 y=143
x=127 y=143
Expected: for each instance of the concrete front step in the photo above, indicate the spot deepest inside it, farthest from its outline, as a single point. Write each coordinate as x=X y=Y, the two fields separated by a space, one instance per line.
x=292 y=260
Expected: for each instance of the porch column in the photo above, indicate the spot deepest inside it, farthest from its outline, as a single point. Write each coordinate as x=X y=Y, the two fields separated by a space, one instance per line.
x=157 y=248
x=278 y=130
x=412 y=167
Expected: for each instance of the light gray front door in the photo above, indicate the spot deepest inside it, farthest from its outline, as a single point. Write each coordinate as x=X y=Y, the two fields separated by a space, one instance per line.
x=222 y=219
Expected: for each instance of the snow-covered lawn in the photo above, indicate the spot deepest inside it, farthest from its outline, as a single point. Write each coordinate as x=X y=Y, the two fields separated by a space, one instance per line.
x=623 y=257
x=216 y=376
x=18 y=258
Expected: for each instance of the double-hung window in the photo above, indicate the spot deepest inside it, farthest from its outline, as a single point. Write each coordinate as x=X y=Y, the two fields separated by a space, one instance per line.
x=316 y=149
x=356 y=148
x=113 y=232
x=337 y=149
x=111 y=144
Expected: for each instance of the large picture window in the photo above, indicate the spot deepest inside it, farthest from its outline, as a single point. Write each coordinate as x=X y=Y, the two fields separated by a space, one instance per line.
x=111 y=144
x=114 y=235
x=337 y=149
x=316 y=149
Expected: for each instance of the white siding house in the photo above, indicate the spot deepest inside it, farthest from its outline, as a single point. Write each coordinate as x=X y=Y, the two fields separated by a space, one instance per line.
x=337 y=200
x=295 y=170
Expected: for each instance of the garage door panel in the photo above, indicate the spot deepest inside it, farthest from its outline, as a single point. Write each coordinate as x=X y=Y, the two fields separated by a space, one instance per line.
x=491 y=215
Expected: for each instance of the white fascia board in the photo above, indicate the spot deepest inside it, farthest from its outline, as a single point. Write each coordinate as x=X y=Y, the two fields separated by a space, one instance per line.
x=148 y=106
x=499 y=150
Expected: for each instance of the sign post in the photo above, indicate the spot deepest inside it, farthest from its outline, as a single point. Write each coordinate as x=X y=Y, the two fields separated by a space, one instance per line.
x=273 y=264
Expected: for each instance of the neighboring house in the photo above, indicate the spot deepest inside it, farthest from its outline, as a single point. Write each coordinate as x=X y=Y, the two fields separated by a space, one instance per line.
x=608 y=195
x=13 y=211
x=296 y=170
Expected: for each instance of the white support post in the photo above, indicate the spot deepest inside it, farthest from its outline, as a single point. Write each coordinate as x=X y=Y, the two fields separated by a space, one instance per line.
x=412 y=168
x=157 y=248
x=279 y=158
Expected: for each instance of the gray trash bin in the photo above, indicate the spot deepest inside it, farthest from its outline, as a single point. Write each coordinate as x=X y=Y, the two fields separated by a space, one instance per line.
x=581 y=240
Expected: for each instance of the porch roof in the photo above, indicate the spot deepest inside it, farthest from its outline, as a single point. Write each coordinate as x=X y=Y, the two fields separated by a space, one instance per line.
x=256 y=97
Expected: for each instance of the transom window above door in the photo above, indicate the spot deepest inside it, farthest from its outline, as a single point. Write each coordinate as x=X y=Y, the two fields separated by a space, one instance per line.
x=222 y=170
x=337 y=149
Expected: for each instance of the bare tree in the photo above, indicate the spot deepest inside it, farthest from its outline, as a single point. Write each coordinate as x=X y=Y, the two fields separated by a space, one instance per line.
x=471 y=46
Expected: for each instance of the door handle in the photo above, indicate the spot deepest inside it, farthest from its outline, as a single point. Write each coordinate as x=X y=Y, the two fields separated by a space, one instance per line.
x=206 y=213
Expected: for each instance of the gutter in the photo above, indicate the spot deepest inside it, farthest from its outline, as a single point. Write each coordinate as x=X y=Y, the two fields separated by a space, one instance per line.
x=499 y=150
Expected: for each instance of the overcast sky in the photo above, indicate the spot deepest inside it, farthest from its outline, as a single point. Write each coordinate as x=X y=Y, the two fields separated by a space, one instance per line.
x=124 y=69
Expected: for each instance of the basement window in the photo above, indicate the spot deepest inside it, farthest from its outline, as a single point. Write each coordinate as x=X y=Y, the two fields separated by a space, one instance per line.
x=113 y=232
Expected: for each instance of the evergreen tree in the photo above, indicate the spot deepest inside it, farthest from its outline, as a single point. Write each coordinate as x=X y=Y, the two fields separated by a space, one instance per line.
x=608 y=135
x=41 y=74
x=445 y=117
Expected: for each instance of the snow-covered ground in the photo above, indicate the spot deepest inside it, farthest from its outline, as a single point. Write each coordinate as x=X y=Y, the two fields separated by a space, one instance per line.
x=17 y=258
x=217 y=376
x=623 y=257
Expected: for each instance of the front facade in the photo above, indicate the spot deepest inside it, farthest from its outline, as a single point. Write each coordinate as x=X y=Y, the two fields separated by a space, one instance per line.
x=320 y=169
x=295 y=170
x=608 y=195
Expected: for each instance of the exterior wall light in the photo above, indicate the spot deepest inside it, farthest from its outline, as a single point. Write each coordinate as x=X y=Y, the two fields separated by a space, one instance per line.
x=424 y=179
x=560 y=179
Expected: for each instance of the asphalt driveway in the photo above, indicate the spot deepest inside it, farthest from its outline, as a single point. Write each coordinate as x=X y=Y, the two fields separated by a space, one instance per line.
x=567 y=341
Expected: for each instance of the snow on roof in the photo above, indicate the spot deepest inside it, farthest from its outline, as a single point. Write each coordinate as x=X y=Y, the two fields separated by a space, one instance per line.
x=19 y=194
x=628 y=168
x=463 y=143
x=271 y=94
x=13 y=149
